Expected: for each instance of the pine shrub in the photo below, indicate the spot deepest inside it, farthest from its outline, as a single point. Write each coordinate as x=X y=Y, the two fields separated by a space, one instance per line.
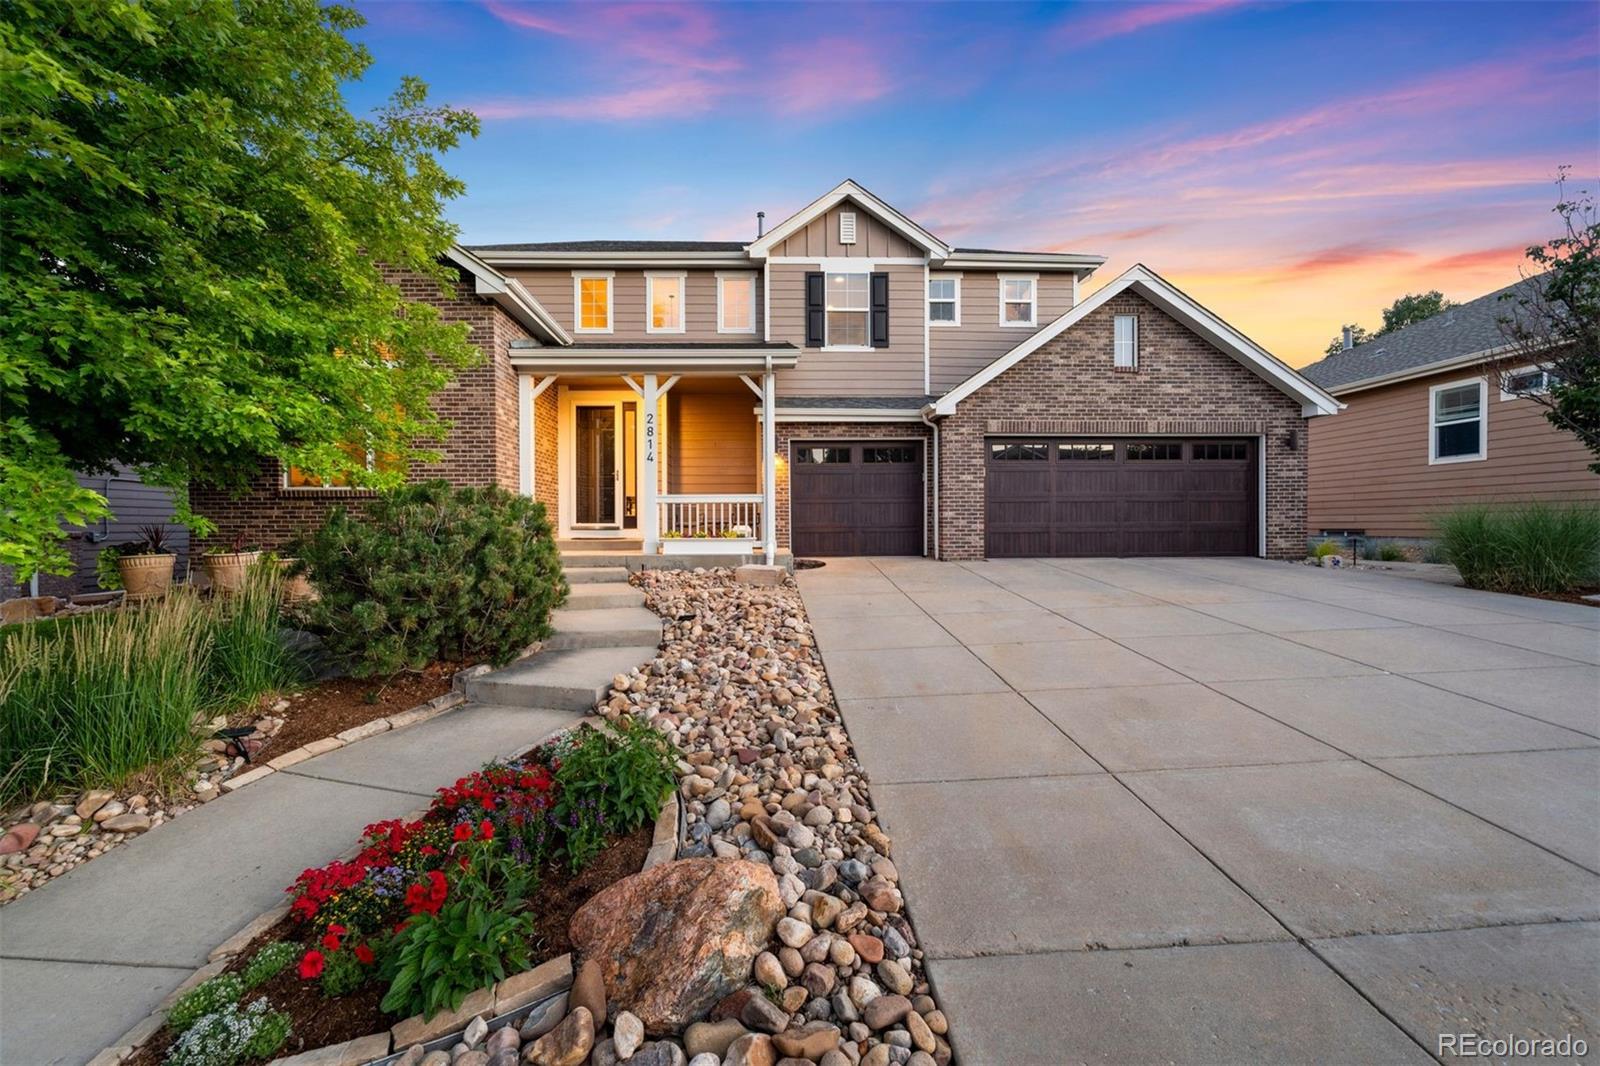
x=428 y=572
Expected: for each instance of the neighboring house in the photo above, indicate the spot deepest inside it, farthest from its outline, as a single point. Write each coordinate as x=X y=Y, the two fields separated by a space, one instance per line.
x=849 y=383
x=134 y=505
x=1427 y=426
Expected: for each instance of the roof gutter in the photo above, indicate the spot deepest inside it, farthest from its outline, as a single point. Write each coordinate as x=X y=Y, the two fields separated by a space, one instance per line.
x=510 y=296
x=1426 y=370
x=587 y=259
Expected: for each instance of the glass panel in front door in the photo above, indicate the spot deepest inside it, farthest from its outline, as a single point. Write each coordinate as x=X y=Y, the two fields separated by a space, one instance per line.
x=596 y=480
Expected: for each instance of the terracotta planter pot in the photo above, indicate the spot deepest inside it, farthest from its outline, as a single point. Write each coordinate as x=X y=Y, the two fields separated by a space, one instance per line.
x=297 y=588
x=227 y=571
x=144 y=576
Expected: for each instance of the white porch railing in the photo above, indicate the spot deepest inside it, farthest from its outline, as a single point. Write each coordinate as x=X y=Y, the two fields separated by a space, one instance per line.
x=707 y=522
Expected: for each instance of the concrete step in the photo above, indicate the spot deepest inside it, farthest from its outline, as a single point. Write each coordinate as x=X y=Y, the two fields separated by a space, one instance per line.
x=593 y=575
x=593 y=544
x=562 y=680
x=603 y=594
x=578 y=560
x=618 y=627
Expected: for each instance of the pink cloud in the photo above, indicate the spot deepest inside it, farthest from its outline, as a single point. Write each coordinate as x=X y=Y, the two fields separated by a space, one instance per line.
x=680 y=97
x=1118 y=20
x=825 y=72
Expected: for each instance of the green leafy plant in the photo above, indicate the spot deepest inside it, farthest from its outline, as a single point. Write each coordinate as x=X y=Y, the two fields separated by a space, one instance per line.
x=430 y=572
x=231 y=1035
x=268 y=963
x=478 y=936
x=1533 y=547
x=344 y=973
x=207 y=997
x=1325 y=549
x=610 y=781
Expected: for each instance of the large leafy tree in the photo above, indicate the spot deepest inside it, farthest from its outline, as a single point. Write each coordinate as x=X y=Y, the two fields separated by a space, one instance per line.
x=1405 y=311
x=191 y=222
x=1553 y=321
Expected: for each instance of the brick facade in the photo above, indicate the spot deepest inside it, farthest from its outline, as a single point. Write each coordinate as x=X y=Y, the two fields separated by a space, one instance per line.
x=823 y=431
x=1183 y=385
x=480 y=448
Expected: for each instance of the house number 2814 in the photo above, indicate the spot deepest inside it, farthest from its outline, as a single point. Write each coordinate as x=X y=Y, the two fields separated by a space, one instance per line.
x=649 y=436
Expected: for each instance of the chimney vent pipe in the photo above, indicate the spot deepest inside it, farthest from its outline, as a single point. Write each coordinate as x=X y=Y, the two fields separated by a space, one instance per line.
x=761 y=223
x=1349 y=338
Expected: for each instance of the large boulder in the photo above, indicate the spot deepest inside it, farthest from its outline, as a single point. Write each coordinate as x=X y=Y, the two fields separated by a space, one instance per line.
x=672 y=941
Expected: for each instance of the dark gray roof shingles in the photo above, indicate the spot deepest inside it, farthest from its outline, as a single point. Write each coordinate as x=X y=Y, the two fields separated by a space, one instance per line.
x=613 y=246
x=1465 y=330
x=855 y=403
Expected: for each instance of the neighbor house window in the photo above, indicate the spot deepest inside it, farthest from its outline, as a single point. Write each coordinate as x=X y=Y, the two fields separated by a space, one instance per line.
x=1125 y=344
x=1018 y=300
x=1456 y=433
x=848 y=303
x=664 y=294
x=591 y=297
x=944 y=301
x=736 y=303
x=295 y=478
x=1528 y=381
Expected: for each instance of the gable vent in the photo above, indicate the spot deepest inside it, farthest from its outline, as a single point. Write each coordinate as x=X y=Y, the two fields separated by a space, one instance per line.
x=847 y=227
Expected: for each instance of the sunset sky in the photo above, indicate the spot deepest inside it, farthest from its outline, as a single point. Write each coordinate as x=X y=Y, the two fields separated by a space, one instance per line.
x=1292 y=166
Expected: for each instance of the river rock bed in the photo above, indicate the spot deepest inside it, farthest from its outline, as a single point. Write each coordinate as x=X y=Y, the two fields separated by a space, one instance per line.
x=767 y=774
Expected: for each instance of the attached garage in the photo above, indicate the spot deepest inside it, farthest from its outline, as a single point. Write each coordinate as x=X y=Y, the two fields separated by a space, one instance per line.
x=1084 y=496
x=856 y=497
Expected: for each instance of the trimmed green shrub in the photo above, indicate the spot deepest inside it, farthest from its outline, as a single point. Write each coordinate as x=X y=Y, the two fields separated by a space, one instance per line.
x=1325 y=549
x=1390 y=552
x=429 y=572
x=1530 y=547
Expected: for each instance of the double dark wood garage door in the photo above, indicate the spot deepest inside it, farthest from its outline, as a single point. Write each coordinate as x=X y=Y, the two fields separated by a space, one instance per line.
x=1118 y=497
x=856 y=497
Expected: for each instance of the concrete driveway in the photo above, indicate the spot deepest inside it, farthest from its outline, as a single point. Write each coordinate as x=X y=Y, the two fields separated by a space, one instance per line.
x=1228 y=810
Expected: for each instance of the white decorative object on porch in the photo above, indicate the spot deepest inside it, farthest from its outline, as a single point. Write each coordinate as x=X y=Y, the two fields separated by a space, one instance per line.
x=704 y=524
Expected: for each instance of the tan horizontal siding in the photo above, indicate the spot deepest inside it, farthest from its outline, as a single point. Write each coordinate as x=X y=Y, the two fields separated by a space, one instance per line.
x=873 y=239
x=711 y=441
x=1369 y=463
x=958 y=352
x=892 y=371
x=555 y=290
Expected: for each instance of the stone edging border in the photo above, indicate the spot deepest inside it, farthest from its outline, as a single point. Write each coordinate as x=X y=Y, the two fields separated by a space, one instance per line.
x=510 y=1000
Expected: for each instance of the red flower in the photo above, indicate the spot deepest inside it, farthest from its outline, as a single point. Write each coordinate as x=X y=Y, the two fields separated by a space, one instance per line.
x=364 y=954
x=311 y=965
x=336 y=929
x=331 y=941
x=486 y=829
x=304 y=907
x=463 y=832
x=429 y=849
x=428 y=897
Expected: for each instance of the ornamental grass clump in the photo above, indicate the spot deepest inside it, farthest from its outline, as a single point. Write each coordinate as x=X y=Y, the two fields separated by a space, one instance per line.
x=249 y=657
x=1534 y=547
x=428 y=572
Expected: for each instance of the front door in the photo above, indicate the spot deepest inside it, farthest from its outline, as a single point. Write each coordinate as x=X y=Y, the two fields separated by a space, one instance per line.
x=598 y=475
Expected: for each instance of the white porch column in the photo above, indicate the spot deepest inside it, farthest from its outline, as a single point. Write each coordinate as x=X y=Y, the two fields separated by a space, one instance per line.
x=769 y=468
x=649 y=453
x=528 y=391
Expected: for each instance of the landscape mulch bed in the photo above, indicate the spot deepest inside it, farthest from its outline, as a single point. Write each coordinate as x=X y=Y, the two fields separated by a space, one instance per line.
x=318 y=1022
x=330 y=707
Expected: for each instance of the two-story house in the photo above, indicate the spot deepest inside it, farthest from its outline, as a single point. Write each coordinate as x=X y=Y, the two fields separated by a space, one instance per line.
x=848 y=383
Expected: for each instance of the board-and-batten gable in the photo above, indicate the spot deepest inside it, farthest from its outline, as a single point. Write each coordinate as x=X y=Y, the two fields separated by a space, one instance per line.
x=1369 y=465
x=958 y=352
x=819 y=238
x=553 y=287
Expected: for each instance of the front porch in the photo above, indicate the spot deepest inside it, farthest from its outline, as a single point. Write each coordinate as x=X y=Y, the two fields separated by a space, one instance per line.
x=670 y=461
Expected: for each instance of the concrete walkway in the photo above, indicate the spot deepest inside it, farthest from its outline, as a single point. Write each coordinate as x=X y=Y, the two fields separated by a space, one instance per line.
x=1228 y=810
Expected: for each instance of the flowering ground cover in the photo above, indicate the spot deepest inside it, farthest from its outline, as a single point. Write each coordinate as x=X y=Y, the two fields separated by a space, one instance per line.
x=479 y=888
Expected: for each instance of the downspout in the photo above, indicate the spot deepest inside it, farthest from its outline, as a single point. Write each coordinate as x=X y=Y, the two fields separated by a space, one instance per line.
x=931 y=424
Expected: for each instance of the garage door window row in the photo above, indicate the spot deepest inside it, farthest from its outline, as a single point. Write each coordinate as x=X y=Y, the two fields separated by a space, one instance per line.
x=1139 y=451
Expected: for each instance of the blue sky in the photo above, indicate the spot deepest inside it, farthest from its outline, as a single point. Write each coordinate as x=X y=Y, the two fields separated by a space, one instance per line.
x=1294 y=166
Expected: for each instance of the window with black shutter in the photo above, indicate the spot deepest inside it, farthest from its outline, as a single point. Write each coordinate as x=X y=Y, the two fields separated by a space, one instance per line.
x=816 y=310
x=880 y=310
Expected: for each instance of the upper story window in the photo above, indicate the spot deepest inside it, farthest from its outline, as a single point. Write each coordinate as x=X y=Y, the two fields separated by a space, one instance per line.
x=1456 y=421
x=1125 y=342
x=736 y=303
x=1527 y=381
x=591 y=301
x=944 y=300
x=1019 y=298
x=664 y=294
x=848 y=303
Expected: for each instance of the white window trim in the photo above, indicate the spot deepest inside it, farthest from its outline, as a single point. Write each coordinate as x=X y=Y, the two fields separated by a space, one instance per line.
x=284 y=486
x=830 y=347
x=939 y=323
x=724 y=275
x=1504 y=395
x=1133 y=363
x=1483 y=423
x=650 y=279
x=1033 y=321
x=610 y=276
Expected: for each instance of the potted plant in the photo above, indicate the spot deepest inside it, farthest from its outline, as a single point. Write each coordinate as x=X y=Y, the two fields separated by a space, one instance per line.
x=145 y=565
x=227 y=566
x=296 y=586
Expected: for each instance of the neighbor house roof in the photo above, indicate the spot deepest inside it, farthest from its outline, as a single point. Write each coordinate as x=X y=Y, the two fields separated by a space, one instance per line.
x=1461 y=334
x=614 y=246
x=1169 y=298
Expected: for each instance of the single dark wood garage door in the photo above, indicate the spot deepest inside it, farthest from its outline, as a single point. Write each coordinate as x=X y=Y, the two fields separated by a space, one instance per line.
x=1097 y=497
x=856 y=498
